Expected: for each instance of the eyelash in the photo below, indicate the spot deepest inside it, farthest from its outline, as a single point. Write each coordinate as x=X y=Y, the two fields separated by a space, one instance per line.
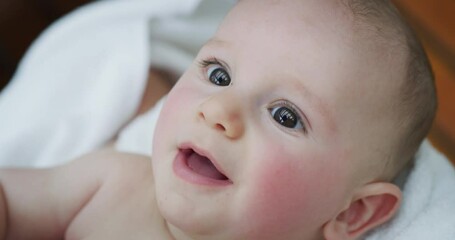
x=221 y=75
x=204 y=64
x=294 y=109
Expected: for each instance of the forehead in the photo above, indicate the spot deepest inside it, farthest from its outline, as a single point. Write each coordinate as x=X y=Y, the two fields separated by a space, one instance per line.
x=307 y=41
x=310 y=39
x=287 y=18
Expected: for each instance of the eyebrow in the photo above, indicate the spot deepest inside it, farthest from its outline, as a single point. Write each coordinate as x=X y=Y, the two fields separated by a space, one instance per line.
x=318 y=104
x=217 y=42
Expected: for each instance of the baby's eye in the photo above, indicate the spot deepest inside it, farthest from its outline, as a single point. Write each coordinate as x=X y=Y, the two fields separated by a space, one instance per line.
x=218 y=75
x=215 y=71
x=286 y=116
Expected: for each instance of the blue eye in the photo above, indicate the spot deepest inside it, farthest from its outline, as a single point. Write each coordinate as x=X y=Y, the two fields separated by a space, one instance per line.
x=218 y=75
x=286 y=116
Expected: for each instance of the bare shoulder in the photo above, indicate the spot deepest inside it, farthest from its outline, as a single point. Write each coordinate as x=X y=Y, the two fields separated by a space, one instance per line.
x=123 y=205
x=101 y=190
x=112 y=165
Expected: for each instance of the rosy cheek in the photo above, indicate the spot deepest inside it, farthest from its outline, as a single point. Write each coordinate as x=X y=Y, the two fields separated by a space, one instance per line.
x=179 y=99
x=291 y=192
x=170 y=118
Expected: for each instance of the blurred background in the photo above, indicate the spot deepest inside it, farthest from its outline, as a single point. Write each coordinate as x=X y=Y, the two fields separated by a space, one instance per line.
x=21 y=21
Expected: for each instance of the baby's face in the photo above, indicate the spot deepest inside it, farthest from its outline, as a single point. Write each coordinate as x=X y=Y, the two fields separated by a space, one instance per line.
x=278 y=102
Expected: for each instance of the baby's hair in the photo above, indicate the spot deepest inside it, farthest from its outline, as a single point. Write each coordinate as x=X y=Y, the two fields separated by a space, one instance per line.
x=418 y=102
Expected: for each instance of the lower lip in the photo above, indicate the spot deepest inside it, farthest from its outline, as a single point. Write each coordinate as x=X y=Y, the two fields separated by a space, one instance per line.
x=182 y=170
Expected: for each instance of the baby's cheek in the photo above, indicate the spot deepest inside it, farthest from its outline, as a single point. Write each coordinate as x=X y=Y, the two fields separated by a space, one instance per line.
x=179 y=99
x=173 y=115
x=291 y=192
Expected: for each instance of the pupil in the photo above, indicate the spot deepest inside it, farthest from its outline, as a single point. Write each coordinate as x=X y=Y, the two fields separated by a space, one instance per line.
x=285 y=117
x=220 y=77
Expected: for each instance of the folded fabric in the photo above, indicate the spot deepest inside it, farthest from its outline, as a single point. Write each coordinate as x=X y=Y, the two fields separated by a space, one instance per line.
x=428 y=208
x=83 y=78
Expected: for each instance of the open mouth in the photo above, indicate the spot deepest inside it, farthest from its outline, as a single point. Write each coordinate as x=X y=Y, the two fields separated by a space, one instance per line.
x=197 y=168
x=203 y=166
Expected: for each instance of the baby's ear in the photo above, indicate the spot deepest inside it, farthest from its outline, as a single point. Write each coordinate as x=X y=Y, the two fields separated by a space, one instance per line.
x=371 y=205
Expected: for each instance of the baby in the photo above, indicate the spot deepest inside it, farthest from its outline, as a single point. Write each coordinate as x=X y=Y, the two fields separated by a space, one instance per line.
x=291 y=124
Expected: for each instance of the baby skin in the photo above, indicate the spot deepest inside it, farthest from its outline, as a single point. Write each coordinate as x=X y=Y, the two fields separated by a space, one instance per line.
x=276 y=131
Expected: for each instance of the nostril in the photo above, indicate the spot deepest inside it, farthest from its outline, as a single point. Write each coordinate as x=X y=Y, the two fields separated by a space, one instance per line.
x=220 y=127
x=215 y=125
x=201 y=115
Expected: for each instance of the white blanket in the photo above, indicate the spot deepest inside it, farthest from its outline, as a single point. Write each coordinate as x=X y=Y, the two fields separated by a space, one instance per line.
x=83 y=78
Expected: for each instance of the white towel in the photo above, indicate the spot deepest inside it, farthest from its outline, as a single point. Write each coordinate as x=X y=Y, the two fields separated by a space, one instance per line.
x=428 y=208
x=82 y=80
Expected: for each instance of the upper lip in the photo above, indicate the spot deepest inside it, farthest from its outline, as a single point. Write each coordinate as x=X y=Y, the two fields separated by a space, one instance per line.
x=204 y=153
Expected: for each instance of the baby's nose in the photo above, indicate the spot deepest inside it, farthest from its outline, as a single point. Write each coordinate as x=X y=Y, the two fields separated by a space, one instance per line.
x=224 y=114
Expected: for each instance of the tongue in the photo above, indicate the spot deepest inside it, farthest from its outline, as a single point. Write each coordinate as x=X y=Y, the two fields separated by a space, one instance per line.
x=204 y=167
